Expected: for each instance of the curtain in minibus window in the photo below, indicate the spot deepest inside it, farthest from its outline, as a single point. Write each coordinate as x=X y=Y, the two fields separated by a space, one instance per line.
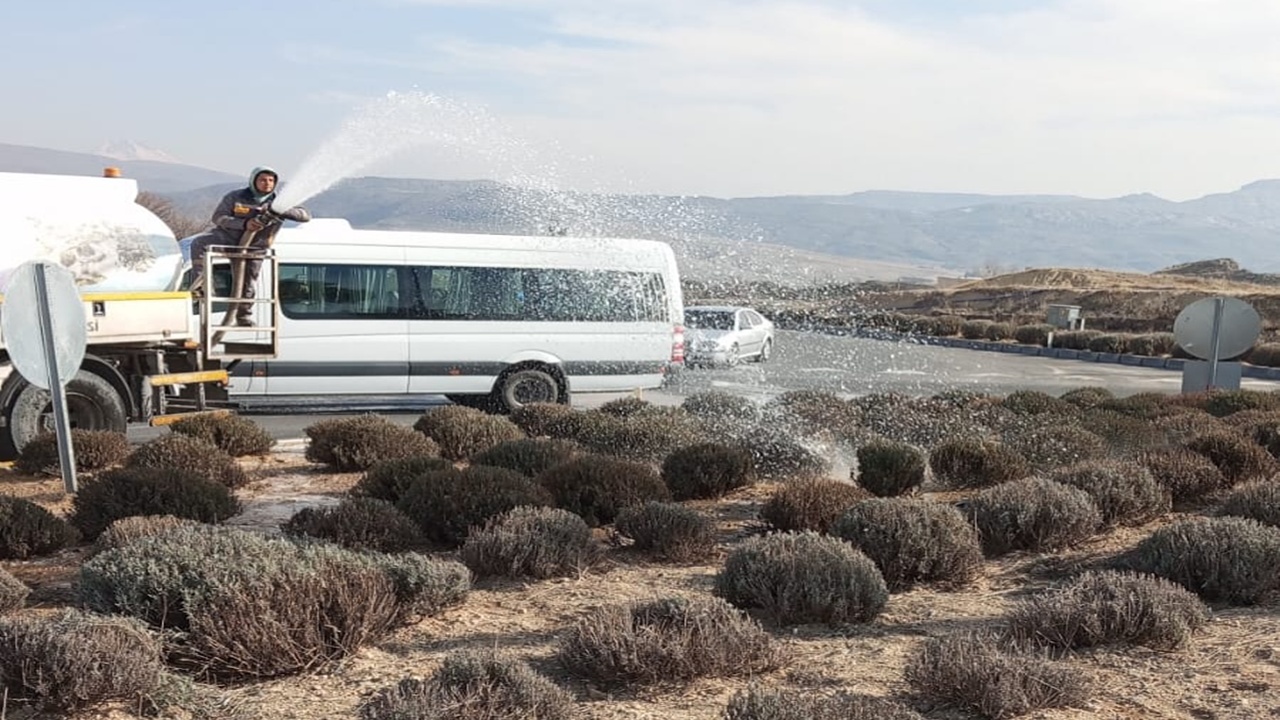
x=340 y=291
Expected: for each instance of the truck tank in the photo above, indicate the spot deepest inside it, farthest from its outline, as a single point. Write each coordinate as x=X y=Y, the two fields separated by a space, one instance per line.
x=90 y=225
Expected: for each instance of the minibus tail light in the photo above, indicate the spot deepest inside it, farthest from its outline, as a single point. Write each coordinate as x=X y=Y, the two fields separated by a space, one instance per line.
x=677 y=345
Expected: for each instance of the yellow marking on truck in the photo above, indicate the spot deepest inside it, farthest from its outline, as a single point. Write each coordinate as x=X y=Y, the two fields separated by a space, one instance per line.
x=188 y=378
x=139 y=295
x=126 y=296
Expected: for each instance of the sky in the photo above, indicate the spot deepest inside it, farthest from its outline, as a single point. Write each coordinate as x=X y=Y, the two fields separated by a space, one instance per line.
x=728 y=98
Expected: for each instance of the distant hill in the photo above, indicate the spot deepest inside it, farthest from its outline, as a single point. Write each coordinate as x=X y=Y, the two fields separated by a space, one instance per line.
x=152 y=175
x=918 y=233
x=962 y=232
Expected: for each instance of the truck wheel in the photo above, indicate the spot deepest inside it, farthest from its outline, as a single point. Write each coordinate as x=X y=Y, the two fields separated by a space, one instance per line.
x=92 y=404
x=528 y=386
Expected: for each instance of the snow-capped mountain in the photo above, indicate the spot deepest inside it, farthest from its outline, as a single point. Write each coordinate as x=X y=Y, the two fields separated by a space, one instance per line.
x=131 y=150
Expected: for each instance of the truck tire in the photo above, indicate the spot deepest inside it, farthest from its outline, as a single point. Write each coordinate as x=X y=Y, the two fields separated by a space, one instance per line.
x=527 y=386
x=92 y=404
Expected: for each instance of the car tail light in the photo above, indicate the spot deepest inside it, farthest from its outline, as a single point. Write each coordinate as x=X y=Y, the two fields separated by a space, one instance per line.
x=677 y=345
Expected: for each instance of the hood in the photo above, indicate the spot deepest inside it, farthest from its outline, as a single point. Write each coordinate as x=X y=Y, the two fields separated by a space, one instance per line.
x=254 y=176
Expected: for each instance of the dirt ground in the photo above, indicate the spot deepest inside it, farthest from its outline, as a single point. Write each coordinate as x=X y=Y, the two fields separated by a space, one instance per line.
x=1230 y=671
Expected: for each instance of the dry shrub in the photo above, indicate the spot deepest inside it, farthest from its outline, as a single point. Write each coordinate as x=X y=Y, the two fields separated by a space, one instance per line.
x=972 y=462
x=388 y=479
x=707 y=470
x=1230 y=560
x=757 y=703
x=1109 y=608
x=1124 y=434
x=250 y=606
x=1258 y=500
x=919 y=421
x=130 y=491
x=1074 y=339
x=800 y=578
x=998 y=331
x=461 y=432
x=720 y=408
x=1187 y=475
x=1180 y=424
x=360 y=442
x=1265 y=354
x=667 y=640
x=811 y=412
x=1222 y=403
x=960 y=397
x=810 y=504
x=976 y=672
x=974 y=329
x=888 y=468
x=189 y=454
x=913 y=540
x=1238 y=458
x=1124 y=492
x=548 y=420
x=1036 y=402
x=13 y=594
x=1057 y=445
x=1088 y=396
x=74 y=660
x=134 y=527
x=471 y=685
x=778 y=454
x=447 y=503
x=667 y=530
x=1037 y=335
x=648 y=435
x=1145 y=405
x=1152 y=344
x=1265 y=433
x=1032 y=514
x=1111 y=343
x=94 y=450
x=534 y=542
x=235 y=435
x=598 y=487
x=624 y=406
x=528 y=456
x=28 y=530
x=358 y=523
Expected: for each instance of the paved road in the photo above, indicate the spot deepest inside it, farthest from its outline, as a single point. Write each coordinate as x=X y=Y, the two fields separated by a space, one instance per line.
x=851 y=366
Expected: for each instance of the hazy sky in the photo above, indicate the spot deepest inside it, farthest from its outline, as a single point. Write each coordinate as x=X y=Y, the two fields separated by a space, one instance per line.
x=718 y=97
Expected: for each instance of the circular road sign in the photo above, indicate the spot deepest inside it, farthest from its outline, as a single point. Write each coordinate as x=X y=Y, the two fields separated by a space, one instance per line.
x=1238 y=330
x=21 y=321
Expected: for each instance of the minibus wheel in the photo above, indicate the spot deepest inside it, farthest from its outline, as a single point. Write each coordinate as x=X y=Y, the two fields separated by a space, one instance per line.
x=528 y=386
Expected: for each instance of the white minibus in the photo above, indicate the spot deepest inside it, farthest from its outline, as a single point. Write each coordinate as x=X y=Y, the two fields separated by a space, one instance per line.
x=493 y=321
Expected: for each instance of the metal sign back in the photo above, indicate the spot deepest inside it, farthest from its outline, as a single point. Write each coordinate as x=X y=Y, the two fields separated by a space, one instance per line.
x=1236 y=323
x=20 y=320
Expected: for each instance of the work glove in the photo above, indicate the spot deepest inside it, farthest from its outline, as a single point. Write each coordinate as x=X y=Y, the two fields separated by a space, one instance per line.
x=297 y=214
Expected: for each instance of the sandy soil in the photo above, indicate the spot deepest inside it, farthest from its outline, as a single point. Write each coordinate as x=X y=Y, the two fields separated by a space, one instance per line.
x=1230 y=671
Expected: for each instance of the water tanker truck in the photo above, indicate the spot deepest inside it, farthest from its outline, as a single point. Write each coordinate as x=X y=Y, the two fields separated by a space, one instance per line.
x=153 y=355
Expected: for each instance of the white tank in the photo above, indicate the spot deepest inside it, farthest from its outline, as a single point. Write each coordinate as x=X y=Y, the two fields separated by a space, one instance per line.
x=90 y=225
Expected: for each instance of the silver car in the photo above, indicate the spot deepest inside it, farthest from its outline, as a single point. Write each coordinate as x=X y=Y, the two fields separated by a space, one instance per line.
x=726 y=335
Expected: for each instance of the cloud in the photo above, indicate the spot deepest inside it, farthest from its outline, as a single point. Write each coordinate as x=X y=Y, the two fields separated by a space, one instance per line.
x=1097 y=97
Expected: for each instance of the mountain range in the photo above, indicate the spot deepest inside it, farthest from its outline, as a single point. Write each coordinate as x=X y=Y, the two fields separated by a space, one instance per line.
x=904 y=233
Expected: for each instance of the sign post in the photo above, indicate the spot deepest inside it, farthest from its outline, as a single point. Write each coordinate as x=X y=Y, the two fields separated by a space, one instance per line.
x=44 y=331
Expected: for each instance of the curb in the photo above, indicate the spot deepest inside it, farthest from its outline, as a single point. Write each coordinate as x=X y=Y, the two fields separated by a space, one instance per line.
x=1159 y=363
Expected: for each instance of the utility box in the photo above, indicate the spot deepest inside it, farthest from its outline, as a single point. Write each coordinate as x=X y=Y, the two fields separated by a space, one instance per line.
x=1067 y=317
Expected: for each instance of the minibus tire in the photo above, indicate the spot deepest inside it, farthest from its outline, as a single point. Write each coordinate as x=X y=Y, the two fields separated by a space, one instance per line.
x=542 y=384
